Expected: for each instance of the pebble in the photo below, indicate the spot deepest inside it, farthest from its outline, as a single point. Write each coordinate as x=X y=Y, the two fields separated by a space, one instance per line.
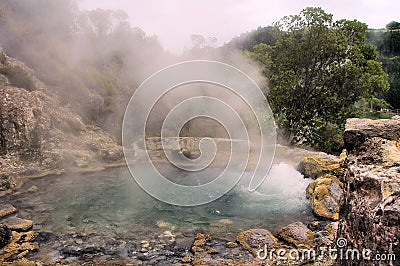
x=33 y=189
x=225 y=221
x=231 y=244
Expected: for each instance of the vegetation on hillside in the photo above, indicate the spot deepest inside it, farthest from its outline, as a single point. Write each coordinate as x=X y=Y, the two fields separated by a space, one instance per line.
x=388 y=45
x=317 y=68
x=92 y=59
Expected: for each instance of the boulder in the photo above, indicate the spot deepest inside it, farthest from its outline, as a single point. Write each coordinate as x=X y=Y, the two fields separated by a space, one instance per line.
x=255 y=239
x=326 y=197
x=378 y=151
x=298 y=234
x=5 y=235
x=191 y=154
x=358 y=130
x=327 y=236
x=112 y=154
x=371 y=217
x=314 y=166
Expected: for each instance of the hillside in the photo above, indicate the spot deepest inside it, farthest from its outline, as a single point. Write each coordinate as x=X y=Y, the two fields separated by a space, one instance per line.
x=38 y=134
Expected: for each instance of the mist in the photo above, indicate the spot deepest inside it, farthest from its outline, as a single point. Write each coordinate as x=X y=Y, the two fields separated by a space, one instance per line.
x=95 y=59
x=174 y=21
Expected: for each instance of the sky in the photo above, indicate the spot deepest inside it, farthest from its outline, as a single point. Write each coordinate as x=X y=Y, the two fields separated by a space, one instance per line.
x=173 y=21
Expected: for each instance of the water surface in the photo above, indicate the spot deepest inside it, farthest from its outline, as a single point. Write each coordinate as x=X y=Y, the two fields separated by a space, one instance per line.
x=110 y=205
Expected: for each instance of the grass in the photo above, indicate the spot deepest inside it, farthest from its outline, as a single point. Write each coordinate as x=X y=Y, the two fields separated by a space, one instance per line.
x=377 y=115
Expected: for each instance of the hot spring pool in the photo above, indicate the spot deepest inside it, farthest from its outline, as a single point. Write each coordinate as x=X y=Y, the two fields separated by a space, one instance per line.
x=109 y=205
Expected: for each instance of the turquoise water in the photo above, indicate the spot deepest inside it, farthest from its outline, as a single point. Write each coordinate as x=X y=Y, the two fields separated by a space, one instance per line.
x=111 y=203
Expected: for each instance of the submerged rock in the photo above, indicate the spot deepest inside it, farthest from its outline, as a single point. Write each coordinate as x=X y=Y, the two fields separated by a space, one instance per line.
x=18 y=224
x=187 y=259
x=326 y=197
x=231 y=244
x=314 y=166
x=6 y=209
x=32 y=189
x=298 y=234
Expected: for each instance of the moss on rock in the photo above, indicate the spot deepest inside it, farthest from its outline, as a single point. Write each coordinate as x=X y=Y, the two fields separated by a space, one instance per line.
x=298 y=234
x=254 y=239
x=326 y=196
x=314 y=166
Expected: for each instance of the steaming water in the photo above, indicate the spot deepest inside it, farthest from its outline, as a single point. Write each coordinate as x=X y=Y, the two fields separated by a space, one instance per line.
x=113 y=205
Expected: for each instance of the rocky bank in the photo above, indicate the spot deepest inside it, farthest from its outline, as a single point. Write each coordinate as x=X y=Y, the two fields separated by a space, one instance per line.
x=356 y=196
x=371 y=213
x=38 y=134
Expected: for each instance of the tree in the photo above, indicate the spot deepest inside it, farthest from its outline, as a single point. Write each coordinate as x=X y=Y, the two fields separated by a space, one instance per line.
x=388 y=42
x=393 y=25
x=318 y=70
x=247 y=41
x=392 y=67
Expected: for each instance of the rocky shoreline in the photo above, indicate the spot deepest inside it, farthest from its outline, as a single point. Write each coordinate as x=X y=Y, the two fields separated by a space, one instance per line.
x=371 y=212
x=169 y=247
x=354 y=197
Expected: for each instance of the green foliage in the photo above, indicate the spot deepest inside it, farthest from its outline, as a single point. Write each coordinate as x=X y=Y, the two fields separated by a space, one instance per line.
x=109 y=95
x=391 y=65
x=393 y=25
x=262 y=53
x=374 y=103
x=372 y=108
x=247 y=41
x=376 y=115
x=388 y=43
x=318 y=70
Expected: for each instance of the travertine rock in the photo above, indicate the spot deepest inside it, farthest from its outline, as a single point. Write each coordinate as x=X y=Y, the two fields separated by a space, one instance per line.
x=371 y=216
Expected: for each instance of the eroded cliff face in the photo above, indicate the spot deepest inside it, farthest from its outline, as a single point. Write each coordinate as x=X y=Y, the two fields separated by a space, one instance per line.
x=37 y=133
x=371 y=213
